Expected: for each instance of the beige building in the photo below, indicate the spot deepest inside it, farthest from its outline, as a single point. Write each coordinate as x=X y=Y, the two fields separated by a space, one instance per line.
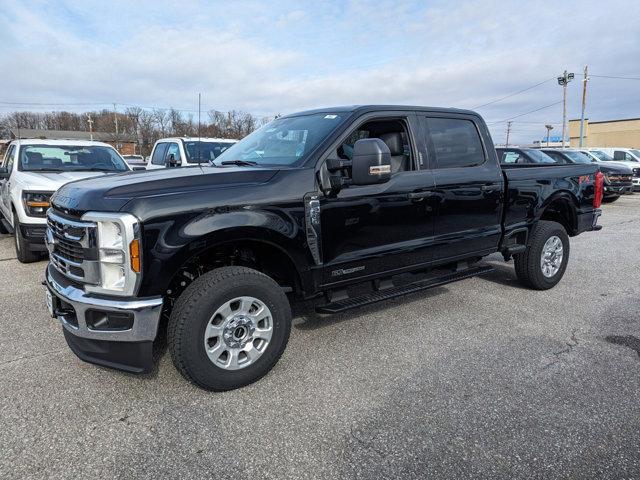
x=611 y=133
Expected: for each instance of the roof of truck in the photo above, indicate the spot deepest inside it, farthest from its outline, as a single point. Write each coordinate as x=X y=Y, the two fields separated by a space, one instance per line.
x=68 y=143
x=377 y=108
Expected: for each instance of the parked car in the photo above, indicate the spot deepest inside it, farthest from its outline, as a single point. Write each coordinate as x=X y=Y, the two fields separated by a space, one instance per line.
x=136 y=162
x=522 y=156
x=618 y=179
x=186 y=151
x=32 y=170
x=628 y=157
x=309 y=205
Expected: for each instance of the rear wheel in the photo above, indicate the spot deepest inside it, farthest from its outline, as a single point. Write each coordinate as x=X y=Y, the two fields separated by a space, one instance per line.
x=23 y=253
x=229 y=328
x=544 y=262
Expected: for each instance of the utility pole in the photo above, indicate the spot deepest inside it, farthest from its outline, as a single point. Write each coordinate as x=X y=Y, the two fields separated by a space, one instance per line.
x=549 y=128
x=563 y=81
x=90 y=122
x=508 y=132
x=584 y=103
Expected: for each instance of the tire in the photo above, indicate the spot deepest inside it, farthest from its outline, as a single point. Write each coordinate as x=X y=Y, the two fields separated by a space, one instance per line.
x=528 y=264
x=610 y=199
x=3 y=229
x=193 y=316
x=23 y=253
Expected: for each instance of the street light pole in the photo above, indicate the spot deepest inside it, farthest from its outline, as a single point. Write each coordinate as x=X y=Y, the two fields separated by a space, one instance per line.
x=564 y=80
x=549 y=128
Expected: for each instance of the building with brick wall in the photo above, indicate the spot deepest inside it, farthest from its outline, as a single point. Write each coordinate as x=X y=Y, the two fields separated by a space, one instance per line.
x=125 y=144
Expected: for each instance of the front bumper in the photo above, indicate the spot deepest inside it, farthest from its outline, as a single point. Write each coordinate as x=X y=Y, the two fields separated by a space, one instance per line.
x=615 y=190
x=116 y=333
x=34 y=235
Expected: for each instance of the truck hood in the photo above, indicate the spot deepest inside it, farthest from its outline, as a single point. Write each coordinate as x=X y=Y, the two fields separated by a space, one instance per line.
x=52 y=181
x=112 y=192
x=614 y=167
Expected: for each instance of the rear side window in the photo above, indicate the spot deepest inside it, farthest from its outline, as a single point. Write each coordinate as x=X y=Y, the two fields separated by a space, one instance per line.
x=158 y=154
x=456 y=142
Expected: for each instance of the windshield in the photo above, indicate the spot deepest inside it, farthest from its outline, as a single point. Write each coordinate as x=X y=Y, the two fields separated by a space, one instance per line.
x=539 y=157
x=577 y=157
x=284 y=141
x=603 y=157
x=203 y=151
x=70 y=158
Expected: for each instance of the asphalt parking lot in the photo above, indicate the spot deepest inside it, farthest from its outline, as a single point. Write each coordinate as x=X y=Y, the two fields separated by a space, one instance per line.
x=478 y=379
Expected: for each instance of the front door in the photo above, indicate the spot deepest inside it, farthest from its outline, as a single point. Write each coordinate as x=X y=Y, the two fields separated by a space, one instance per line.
x=468 y=187
x=370 y=229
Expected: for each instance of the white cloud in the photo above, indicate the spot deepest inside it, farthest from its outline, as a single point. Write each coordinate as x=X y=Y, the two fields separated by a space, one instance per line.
x=280 y=57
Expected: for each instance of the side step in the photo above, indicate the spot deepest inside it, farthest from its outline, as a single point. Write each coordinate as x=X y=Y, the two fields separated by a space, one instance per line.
x=386 y=294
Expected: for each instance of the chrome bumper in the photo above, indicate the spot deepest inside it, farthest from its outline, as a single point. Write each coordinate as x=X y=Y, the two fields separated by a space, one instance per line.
x=146 y=313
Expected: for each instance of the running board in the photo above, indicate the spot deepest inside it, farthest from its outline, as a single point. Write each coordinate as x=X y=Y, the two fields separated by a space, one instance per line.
x=386 y=294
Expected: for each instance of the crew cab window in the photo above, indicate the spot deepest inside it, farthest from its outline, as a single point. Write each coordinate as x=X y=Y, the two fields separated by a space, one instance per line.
x=392 y=132
x=624 y=156
x=158 y=154
x=512 y=157
x=174 y=150
x=456 y=142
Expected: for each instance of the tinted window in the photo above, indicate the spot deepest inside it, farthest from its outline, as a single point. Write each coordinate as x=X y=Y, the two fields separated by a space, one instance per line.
x=158 y=154
x=456 y=142
x=511 y=156
x=198 y=152
x=556 y=156
x=67 y=158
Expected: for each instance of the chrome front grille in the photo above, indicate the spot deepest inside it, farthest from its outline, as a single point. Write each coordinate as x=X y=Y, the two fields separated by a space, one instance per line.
x=72 y=248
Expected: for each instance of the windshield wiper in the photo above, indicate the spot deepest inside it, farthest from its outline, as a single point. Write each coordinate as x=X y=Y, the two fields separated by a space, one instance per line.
x=240 y=163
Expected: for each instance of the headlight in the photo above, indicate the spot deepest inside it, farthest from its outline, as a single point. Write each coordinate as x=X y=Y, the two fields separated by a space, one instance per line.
x=36 y=203
x=117 y=241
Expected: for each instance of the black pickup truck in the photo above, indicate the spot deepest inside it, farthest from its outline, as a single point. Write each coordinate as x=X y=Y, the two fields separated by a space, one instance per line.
x=351 y=205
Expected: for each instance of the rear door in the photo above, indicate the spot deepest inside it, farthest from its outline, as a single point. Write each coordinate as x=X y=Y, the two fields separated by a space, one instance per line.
x=468 y=186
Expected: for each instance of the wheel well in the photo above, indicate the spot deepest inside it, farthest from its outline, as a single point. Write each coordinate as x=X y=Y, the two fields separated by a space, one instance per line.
x=261 y=256
x=563 y=212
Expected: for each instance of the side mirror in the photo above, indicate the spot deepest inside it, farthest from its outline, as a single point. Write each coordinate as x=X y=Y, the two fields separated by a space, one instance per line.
x=371 y=162
x=172 y=162
x=4 y=173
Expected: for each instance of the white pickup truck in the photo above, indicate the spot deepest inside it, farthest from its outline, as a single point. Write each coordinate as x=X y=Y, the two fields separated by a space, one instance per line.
x=32 y=170
x=186 y=151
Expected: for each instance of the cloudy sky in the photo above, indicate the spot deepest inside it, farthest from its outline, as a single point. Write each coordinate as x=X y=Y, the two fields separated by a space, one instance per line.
x=280 y=56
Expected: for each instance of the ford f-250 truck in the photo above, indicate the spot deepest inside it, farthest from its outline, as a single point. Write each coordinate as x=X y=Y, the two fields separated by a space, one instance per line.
x=310 y=205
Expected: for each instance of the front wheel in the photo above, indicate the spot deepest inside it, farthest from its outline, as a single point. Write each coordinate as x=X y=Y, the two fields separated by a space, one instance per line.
x=23 y=252
x=544 y=262
x=229 y=328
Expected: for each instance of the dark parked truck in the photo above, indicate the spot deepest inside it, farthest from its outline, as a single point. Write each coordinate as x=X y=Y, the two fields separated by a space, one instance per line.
x=351 y=205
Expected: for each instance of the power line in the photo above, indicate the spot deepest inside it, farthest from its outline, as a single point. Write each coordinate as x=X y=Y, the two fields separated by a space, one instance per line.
x=526 y=113
x=614 y=76
x=513 y=94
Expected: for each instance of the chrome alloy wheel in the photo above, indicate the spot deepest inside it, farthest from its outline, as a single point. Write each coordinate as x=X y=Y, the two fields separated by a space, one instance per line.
x=238 y=333
x=551 y=258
